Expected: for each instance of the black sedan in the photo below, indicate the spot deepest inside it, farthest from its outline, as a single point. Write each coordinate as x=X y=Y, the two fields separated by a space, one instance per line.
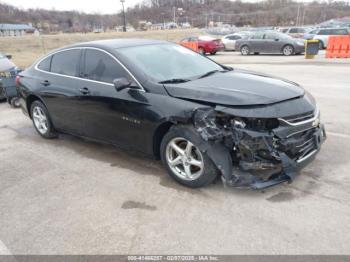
x=270 y=42
x=201 y=118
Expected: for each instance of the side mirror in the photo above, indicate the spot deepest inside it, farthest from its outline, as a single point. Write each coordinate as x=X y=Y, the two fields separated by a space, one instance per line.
x=277 y=39
x=9 y=57
x=121 y=83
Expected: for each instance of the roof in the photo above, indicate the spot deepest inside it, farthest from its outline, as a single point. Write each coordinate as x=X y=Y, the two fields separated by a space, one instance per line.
x=16 y=27
x=120 y=43
x=337 y=21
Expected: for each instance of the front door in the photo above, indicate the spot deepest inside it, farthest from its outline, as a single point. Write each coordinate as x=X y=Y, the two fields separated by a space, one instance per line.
x=110 y=115
x=273 y=43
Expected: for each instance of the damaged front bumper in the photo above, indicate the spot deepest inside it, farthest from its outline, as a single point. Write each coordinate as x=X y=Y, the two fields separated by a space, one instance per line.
x=260 y=158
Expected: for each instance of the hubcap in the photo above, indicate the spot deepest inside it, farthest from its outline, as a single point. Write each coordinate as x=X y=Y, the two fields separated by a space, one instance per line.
x=245 y=50
x=288 y=50
x=184 y=159
x=40 y=120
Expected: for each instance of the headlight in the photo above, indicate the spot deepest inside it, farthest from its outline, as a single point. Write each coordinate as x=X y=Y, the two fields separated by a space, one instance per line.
x=238 y=123
x=301 y=43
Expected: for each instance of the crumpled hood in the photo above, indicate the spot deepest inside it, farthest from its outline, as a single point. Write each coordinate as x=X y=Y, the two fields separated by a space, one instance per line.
x=237 y=88
x=6 y=65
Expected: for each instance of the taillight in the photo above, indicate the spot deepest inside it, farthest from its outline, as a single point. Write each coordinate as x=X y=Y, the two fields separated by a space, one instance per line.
x=18 y=80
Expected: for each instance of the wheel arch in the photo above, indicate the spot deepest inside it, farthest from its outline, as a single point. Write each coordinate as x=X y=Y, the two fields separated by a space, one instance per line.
x=158 y=136
x=247 y=45
x=30 y=100
x=288 y=44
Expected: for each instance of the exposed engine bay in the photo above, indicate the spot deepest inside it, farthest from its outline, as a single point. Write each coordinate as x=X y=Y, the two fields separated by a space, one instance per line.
x=263 y=151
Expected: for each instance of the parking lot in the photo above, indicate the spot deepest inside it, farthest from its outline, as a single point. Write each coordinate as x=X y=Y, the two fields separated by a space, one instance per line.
x=70 y=196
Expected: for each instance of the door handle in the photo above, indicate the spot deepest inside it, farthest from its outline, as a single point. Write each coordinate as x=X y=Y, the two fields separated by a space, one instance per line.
x=46 y=83
x=84 y=91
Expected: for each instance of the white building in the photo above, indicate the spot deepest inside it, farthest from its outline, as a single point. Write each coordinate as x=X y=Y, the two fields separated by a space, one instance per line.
x=16 y=30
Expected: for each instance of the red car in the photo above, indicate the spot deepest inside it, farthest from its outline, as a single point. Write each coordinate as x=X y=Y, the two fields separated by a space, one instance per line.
x=206 y=44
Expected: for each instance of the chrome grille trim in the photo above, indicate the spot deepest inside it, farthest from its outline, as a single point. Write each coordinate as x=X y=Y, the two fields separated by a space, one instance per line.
x=307 y=156
x=315 y=116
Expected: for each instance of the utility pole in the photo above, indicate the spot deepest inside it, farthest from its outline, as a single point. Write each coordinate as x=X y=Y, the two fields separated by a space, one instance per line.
x=297 y=21
x=124 y=18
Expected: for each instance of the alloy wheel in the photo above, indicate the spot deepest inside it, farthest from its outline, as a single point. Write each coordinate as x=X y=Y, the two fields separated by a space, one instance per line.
x=245 y=50
x=40 y=120
x=184 y=159
x=288 y=50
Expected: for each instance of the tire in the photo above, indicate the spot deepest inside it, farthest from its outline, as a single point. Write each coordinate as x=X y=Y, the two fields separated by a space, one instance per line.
x=245 y=50
x=320 y=45
x=14 y=102
x=201 y=50
x=41 y=120
x=288 y=50
x=202 y=169
x=256 y=53
x=213 y=53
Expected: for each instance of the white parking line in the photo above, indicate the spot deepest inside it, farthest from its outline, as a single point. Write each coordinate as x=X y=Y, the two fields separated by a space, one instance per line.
x=3 y=249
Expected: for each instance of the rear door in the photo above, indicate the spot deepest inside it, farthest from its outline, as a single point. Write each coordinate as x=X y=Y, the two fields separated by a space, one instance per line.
x=229 y=42
x=60 y=89
x=256 y=42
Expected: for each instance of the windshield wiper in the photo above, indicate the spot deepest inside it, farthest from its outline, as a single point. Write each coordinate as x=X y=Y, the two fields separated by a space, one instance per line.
x=174 y=81
x=209 y=73
x=215 y=71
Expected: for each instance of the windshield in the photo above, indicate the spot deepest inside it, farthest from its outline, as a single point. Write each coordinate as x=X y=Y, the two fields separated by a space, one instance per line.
x=2 y=56
x=169 y=61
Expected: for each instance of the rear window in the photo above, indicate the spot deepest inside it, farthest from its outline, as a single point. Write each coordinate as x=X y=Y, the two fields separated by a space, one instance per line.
x=45 y=64
x=66 y=62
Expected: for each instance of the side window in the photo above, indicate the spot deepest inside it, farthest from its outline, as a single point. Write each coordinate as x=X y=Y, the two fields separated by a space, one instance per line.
x=66 y=62
x=324 y=32
x=236 y=37
x=339 y=32
x=45 y=64
x=100 y=66
x=293 y=30
x=271 y=36
x=257 y=36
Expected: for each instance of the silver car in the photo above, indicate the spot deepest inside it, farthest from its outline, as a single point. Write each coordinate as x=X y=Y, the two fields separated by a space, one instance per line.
x=230 y=40
x=323 y=34
x=270 y=42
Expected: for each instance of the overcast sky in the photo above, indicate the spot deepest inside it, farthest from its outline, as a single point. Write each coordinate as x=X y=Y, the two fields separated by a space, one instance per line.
x=100 y=6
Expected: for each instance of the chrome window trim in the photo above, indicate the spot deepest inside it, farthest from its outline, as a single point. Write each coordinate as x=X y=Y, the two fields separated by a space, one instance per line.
x=141 y=88
x=317 y=114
